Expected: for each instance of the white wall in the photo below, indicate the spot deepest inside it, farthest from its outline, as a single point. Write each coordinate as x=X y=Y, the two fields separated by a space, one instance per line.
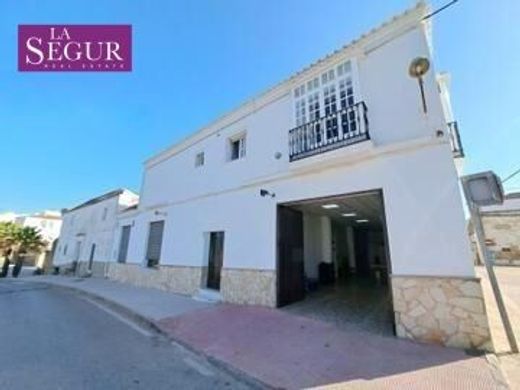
x=49 y=228
x=87 y=226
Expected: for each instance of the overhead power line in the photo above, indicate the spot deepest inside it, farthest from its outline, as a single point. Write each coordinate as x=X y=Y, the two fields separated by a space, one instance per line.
x=511 y=175
x=440 y=9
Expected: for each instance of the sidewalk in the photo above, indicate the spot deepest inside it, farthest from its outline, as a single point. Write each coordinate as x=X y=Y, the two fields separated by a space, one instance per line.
x=288 y=351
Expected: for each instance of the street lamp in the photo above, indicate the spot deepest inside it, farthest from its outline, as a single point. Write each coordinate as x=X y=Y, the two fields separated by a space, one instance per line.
x=485 y=189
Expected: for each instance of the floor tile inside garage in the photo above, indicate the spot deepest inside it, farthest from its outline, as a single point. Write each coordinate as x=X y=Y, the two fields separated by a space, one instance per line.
x=355 y=303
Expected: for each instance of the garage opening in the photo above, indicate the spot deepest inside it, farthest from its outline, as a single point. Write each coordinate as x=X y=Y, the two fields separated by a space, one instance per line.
x=333 y=261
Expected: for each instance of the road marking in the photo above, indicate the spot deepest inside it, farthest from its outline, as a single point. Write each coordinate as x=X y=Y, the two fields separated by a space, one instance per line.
x=198 y=367
x=120 y=318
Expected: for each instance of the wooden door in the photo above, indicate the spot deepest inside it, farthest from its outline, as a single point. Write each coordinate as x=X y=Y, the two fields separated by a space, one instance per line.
x=291 y=287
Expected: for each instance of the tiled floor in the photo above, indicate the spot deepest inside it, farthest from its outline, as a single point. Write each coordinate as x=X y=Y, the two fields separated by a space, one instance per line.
x=355 y=303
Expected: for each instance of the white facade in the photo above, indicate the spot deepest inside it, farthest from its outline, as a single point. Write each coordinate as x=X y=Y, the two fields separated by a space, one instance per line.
x=48 y=223
x=408 y=157
x=88 y=230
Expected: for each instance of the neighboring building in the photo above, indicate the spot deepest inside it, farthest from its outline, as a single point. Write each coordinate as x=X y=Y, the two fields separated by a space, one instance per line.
x=502 y=229
x=335 y=176
x=87 y=233
x=48 y=224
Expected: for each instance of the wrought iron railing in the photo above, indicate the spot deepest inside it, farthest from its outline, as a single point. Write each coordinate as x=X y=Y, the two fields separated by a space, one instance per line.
x=340 y=128
x=456 y=143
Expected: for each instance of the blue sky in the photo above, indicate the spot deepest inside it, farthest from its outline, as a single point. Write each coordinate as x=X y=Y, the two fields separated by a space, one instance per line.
x=66 y=137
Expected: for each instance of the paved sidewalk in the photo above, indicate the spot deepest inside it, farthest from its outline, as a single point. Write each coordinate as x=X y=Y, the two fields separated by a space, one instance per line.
x=288 y=351
x=509 y=282
x=150 y=303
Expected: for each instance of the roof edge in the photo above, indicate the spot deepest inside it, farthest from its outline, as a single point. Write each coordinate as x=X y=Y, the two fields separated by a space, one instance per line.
x=98 y=199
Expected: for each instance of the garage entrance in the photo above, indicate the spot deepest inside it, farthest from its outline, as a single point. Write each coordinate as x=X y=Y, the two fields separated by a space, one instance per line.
x=333 y=261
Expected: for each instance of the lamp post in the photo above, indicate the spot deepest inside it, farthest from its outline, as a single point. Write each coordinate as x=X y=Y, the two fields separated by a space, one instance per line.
x=485 y=189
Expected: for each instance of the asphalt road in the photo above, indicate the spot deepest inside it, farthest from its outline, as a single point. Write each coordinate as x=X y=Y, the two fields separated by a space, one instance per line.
x=55 y=339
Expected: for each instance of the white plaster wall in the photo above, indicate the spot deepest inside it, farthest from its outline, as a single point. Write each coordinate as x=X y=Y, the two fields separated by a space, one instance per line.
x=86 y=224
x=249 y=223
x=49 y=228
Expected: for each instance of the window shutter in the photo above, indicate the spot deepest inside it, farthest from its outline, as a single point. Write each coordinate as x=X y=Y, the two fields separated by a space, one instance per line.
x=155 y=236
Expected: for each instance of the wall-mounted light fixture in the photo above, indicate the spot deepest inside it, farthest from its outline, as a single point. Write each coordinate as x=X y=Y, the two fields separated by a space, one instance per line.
x=264 y=193
x=163 y=213
x=418 y=68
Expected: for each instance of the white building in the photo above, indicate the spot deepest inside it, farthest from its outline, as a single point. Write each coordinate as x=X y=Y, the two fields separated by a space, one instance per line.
x=87 y=233
x=336 y=179
x=48 y=224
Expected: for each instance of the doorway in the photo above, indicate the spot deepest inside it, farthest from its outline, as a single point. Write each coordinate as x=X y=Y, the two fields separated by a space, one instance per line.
x=91 y=257
x=290 y=256
x=215 y=260
x=333 y=261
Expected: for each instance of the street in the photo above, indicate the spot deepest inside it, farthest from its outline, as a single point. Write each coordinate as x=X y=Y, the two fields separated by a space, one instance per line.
x=55 y=339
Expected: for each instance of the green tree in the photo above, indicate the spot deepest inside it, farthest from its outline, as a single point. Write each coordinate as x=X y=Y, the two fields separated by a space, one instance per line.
x=8 y=232
x=28 y=240
x=18 y=241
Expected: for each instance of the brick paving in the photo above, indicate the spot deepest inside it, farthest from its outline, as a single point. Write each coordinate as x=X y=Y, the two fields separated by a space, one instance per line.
x=294 y=352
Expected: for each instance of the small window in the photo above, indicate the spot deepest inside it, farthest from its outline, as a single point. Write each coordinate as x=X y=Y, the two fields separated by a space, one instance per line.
x=237 y=147
x=104 y=216
x=65 y=250
x=199 y=159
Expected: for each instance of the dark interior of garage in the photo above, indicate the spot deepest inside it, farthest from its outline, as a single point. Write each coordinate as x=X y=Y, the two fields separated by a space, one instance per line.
x=333 y=261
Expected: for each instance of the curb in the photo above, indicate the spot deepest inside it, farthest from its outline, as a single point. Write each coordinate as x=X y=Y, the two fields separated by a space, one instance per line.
x=151 y=324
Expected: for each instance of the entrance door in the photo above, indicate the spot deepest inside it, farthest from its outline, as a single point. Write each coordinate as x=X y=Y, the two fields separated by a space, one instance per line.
x=123 y=244
x=215 y=260
x=91 y=258
x=290 y=256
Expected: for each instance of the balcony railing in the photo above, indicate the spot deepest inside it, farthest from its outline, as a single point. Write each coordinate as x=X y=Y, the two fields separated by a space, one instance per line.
x=340 y=128
x=456 y=144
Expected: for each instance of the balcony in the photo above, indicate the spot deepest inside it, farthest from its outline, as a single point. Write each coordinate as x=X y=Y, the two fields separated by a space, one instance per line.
x=456 y=144
x=340 y=128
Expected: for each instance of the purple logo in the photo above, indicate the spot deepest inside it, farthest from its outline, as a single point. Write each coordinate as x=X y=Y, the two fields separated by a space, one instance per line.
x=75 y=48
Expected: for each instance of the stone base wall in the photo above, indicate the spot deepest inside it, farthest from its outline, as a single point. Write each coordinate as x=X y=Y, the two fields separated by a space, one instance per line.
x=249 y=286
x=98 y=269
x=442 y=310
x=177 y=279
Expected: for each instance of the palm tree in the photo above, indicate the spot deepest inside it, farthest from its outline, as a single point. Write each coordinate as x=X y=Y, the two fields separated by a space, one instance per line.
x=7 y=240
x=27 y=240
